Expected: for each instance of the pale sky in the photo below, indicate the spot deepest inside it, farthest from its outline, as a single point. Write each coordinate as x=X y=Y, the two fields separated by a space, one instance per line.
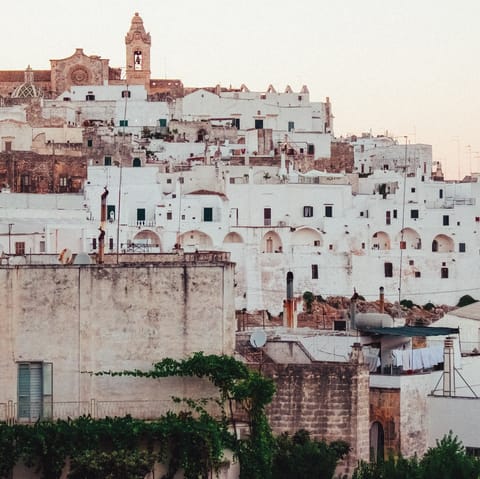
x=410 y=67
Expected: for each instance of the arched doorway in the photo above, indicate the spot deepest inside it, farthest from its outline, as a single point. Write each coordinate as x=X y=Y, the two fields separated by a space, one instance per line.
x=377 y=442
x=146 y=241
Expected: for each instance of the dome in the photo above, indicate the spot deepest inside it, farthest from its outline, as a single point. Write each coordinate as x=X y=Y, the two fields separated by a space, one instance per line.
x=27 y=90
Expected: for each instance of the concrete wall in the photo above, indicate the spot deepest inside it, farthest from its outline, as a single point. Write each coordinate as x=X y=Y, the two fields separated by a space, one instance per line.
x=447 y=414
x=115 y=317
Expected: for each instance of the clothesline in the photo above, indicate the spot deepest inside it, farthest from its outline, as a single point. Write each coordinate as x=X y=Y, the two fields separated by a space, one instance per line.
x=416 y=359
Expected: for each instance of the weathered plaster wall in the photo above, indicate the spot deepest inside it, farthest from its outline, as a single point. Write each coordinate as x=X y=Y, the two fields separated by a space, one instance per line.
x=385 y=409
x=94 y=318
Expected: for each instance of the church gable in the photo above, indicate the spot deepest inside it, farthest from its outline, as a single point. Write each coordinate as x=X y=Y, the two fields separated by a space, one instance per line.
x=78 y=69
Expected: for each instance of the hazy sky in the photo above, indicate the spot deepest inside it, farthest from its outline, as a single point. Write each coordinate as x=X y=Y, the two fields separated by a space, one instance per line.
x=410 y=67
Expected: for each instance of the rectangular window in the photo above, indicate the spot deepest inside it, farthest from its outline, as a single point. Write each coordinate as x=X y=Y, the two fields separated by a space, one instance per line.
x=395 y=214
x=414 y=214
x=63 y=181
x=462 y=247
x=34 y=391
x=90 y=97
x=8 y=146
x=110 y=243
x=94 y=243
x=111 y=213
x=308 y=211
x=89 y=143
x=314 y=271
x=208 y=214
x=310 y=149
x=42 y=246
x=444 y=273
x=440 y=193
x=267 y=216
x=316 y=243
x=19 y=248
x=169 y=215
x=236 y=123
x=329 y=211
x=418 y=274
x=140 y=214
x=387 y=218
x=123 y=122
x=126 y=94
x=258 y=124
x=107 y=161
x=412 y=190
x=446 y=220
x=162 y=122
x=291 y=125
x=388 y=267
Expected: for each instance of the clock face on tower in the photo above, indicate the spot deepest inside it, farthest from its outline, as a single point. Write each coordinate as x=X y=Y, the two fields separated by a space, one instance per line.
x=137 y=60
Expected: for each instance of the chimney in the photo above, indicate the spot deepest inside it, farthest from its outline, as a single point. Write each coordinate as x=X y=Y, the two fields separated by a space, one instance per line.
x=448 y=368
x=103 y=219
x=382 y=299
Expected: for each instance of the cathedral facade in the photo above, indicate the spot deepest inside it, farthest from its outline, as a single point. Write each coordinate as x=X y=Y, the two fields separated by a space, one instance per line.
x=83 y=69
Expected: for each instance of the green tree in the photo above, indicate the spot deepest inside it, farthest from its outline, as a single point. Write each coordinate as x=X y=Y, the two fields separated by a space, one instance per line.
x=448 y=460
x=300 y=457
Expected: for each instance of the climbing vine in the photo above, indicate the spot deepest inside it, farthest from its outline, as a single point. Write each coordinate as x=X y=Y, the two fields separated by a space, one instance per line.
x=239 y=387
x=127 y=448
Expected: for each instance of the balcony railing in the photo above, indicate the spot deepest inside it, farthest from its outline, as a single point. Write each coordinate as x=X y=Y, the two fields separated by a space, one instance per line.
x=11 y=412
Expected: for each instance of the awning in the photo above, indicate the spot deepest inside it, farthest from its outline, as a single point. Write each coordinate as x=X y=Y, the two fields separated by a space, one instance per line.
x=411 y=331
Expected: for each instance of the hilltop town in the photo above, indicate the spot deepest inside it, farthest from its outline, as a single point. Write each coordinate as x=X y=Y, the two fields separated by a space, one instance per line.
x=142 y=219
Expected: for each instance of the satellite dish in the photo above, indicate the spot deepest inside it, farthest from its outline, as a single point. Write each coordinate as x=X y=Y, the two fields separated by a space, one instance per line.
x=82 y=259
x=65 y=256
x=258 y=338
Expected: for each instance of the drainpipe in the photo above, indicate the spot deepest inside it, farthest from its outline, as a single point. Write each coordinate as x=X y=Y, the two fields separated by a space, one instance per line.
x=103 y=219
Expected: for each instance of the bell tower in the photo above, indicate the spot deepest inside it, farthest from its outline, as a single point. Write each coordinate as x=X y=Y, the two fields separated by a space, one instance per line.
x=138 y=43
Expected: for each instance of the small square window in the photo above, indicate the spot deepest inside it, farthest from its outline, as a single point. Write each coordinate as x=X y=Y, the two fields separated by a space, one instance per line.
x=107 y=161
x=308 y=211
x=19 y=248
x=411 y=262
x=169 y=180
x=414 y=214
x=418 y=274
x=208 y=214
x=412 y=190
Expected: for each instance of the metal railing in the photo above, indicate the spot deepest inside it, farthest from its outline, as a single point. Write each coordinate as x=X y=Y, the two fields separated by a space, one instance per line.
x=11 y=412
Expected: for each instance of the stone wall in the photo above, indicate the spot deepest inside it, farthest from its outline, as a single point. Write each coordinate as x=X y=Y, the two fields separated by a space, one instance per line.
x=328 y=399
x=28 y=172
